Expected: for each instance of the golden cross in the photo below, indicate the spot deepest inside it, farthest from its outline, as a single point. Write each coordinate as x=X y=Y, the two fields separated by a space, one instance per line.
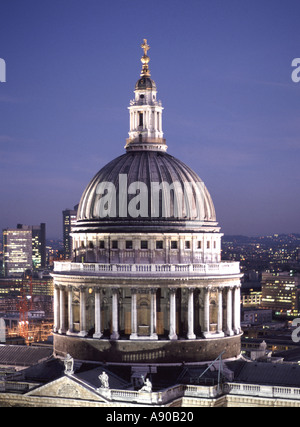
x=145 y=46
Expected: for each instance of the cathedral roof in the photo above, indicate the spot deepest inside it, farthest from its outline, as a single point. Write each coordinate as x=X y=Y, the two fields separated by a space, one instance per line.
x=146 y=189
x=182 y=199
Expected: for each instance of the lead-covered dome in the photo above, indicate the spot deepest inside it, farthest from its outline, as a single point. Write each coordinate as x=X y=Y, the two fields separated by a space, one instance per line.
x=145 y=83
x=143 y=190
x=146 y=189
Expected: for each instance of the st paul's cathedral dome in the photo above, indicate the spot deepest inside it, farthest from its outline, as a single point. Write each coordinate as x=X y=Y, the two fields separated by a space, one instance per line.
x=146 y=283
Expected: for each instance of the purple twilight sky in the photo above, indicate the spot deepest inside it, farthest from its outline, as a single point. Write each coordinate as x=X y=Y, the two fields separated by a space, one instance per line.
x=223 y=72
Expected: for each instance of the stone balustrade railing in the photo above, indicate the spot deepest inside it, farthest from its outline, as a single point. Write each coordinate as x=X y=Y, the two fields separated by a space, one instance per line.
x=148 y=269
x=263 y=390
x=160 y=397
x=202 y=391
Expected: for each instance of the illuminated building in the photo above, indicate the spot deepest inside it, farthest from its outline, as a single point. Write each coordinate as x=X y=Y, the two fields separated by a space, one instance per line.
x=38 y=246
x=146 y=282
x=146 y=310
x=24 y=248
x=69 y=220
x=17 y=250
x=280 y=292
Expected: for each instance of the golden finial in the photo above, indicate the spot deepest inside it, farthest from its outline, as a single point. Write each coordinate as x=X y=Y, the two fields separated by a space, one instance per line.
x=145 y=59
x=145 y=46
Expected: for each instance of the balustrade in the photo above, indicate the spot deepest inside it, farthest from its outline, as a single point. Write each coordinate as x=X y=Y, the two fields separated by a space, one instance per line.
x=222 y=268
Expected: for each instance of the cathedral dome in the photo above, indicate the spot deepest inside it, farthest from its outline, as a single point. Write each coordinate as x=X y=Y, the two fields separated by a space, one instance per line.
x=146 y=284
x=145 y=189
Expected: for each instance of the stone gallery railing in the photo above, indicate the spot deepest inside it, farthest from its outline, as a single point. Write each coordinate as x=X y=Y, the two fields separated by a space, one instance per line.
x=218 y=269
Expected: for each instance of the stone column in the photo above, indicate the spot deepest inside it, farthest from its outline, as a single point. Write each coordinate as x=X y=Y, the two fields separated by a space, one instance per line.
x=172 y=331
x=83 y=331
x=191 y=335
x=133 y=335
x=70 y=330
x=98 y=331
x=237 y=310
x=56 y=309
x=62 y=328
x=220 y=311
x=153 y=316
x=115 y=318
x=206 y=332
x=229 y=330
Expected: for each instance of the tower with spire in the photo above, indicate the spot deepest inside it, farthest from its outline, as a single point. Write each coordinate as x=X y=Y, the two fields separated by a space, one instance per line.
x=145 y=112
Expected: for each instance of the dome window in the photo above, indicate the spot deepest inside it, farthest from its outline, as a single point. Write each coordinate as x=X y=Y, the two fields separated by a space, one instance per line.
x=159 y=244
x=114 y=244
x=187 y=244
x=101 y=244
x=144 y=244
x=174 y=244
x=128 y=244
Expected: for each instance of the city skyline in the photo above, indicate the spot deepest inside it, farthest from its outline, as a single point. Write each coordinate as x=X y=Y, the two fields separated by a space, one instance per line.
x=223 y=73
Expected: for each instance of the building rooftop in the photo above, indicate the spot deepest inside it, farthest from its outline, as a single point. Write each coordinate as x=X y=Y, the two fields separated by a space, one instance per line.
x=266 y=373
x=17 y=355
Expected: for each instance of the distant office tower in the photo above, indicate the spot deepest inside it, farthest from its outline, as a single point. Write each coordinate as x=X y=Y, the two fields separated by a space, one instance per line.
x=24 y=248
x=280 y=292
x=17 y=250
x=38 y=246
x=69 y=220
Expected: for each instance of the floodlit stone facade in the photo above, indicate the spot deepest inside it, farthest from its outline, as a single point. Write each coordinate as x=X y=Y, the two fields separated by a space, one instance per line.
x=146 y=282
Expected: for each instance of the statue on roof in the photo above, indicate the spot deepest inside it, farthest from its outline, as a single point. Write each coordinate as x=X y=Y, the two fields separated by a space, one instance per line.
x=147 y=387
x=104 y=380
x=69 y=365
